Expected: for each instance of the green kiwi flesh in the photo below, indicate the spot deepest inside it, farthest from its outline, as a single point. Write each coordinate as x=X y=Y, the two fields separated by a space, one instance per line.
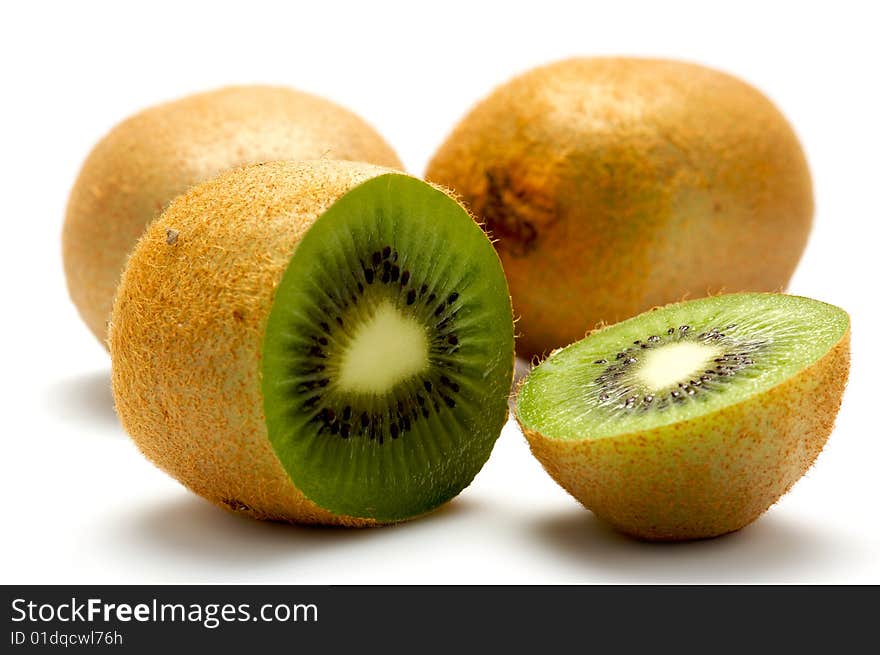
x=388 y=353
x=677 y=363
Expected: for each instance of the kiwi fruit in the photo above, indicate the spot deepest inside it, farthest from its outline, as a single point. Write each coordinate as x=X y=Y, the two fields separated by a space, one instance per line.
x=613 y=185
x=317 y=342
x=148 y=159
x=689 y=421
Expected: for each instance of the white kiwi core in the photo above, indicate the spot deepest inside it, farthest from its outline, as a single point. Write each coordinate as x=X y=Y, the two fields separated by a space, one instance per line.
x=386 y=349
x=670 y=364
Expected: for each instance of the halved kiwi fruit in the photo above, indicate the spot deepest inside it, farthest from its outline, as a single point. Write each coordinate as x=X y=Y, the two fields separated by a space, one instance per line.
x=320 y=342
x=690 y=420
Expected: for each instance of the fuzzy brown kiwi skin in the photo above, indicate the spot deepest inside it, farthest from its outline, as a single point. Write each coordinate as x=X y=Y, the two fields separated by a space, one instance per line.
x=710 y=475
x=187 y=330
x=144 y=162
x=613 y=185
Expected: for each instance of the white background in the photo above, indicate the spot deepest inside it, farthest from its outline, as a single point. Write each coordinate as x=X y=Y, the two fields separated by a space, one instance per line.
x=80 y=504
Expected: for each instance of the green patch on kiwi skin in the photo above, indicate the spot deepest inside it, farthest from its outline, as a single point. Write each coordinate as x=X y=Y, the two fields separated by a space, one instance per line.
x=600 y=387
x=394 y=251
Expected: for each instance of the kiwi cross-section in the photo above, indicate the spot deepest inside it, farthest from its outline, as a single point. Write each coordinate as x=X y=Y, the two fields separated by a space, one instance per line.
x=319 y=342
x=690 y=420
x=385 y=325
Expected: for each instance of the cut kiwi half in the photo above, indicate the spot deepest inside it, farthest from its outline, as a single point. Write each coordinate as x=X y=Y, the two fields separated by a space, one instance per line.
x=317 y=342
x=689 y=421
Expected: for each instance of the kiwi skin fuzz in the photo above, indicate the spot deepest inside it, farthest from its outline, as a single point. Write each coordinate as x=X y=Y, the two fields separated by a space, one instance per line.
x=706 y=476
x=144 y=162
x=186 y=365
x=614 y=185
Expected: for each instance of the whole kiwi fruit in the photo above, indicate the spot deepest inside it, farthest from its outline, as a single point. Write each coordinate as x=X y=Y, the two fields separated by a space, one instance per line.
x=613 y=185
x=151 y=157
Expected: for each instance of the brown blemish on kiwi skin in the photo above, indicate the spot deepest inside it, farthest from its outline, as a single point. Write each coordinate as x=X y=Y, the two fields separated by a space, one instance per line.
x=235 y=505
x=512 y=214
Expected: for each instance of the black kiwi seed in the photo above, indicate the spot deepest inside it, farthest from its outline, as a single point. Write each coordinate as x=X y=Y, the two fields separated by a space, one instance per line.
x=449 y=383
x=410 y=297
x=404 y=278
x=377 y=257
x=386 y=252
x=369 y=275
